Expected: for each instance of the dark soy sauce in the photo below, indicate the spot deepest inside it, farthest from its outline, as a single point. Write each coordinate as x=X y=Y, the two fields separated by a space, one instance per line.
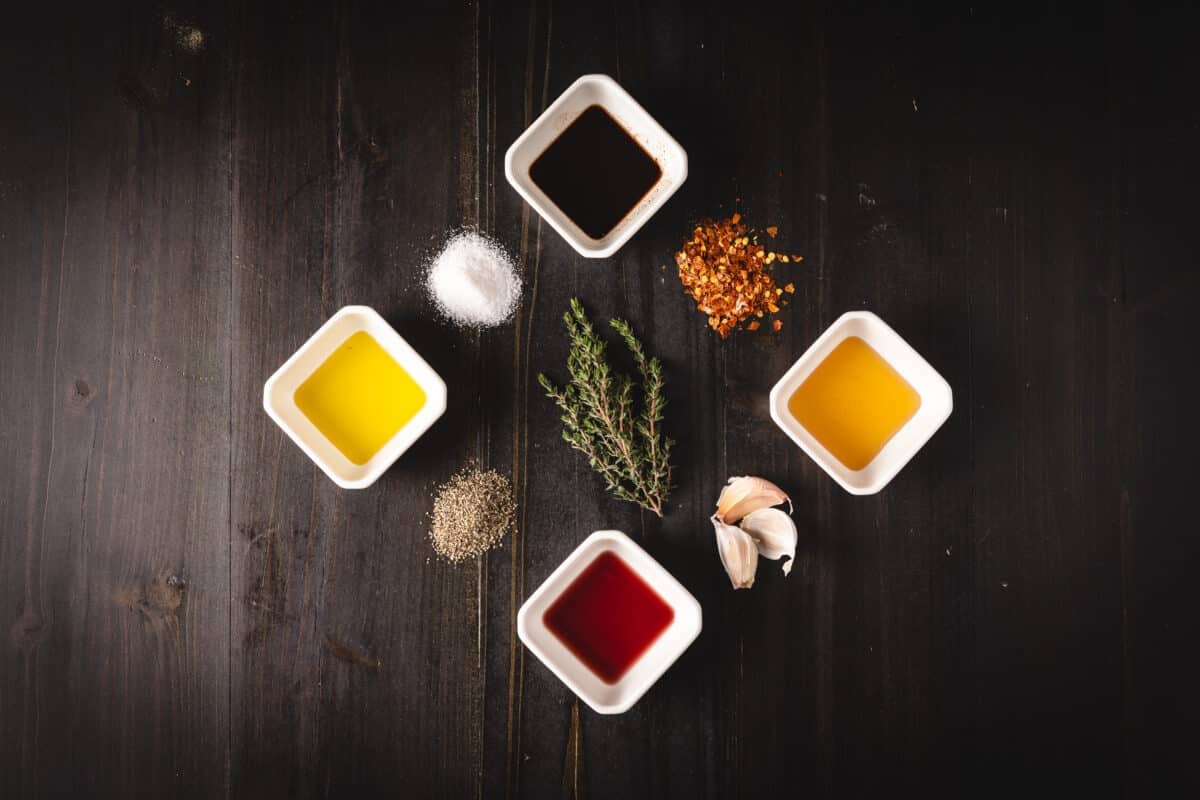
x=608 y=617
x=595 y=172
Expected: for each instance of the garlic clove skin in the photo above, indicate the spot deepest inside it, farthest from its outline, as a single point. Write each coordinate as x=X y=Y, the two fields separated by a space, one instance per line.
x=745 y=495
x=739 y=554
x=774 y=534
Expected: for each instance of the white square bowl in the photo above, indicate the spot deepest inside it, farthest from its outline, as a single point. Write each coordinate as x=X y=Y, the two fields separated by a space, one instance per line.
x=279 y=396
x=937 y=401
x=610 y=698
x=603 y=91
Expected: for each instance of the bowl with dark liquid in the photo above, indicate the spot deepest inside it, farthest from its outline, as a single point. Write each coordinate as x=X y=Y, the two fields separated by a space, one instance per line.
x=609 y=621
x=596 y=166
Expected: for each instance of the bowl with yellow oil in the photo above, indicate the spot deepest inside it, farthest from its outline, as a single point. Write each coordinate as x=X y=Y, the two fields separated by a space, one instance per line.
x=355 y=396
x=861 y=402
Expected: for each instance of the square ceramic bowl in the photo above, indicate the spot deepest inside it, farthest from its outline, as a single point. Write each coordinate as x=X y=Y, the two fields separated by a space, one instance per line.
x=279 y=396
x=936 y=401
x=606 y=698
x=603 y=91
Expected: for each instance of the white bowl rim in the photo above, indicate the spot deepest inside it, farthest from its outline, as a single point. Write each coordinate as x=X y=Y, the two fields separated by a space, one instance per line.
x=937 y=401
x=301 y=431
x=645 y=672
x=629 y=225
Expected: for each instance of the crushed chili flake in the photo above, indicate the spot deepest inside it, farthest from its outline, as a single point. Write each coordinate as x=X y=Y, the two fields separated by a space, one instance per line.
x=725 y=270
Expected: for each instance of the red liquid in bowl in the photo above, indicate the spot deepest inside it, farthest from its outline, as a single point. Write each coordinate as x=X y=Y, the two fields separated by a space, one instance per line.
x=608 y=617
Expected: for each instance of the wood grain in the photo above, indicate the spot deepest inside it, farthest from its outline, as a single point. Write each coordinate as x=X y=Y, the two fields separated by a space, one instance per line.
x=355 y=653
x=115 y=413
x=190 y=608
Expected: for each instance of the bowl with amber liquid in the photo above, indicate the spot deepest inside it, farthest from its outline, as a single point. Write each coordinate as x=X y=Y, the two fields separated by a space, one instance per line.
x=861 y=402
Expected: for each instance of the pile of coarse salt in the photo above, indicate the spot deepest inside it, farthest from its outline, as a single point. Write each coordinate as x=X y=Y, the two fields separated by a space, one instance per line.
x=473 y=282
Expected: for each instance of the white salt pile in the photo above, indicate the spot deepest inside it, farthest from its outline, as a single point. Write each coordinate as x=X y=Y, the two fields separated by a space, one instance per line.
x=473 y=281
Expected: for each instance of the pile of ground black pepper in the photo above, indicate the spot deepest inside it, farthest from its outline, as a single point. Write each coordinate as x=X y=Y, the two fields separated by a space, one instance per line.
x=471 y=514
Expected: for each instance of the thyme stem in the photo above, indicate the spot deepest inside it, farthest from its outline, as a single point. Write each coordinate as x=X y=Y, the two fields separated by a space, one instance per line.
x=624 y=445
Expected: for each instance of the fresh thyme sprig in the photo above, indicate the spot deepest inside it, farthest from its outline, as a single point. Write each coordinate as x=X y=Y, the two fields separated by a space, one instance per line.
x=624 y=445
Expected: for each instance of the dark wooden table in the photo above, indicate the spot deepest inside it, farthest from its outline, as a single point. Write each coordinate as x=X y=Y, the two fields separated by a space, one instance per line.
x=191 y=609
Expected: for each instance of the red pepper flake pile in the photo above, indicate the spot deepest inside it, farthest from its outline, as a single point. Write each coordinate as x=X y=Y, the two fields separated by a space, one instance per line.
x=725 y=270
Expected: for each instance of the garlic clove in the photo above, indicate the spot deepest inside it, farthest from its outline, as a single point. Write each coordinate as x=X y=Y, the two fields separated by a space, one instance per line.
x=774 y=533
x=739 y=554
x=746 y=495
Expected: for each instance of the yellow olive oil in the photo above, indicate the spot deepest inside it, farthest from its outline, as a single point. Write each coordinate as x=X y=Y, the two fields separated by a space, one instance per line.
x=854 y=402
x=359 y=397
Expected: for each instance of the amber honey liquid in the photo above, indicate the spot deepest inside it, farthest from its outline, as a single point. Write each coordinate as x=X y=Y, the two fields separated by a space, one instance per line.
x=854 y=402
x=608 y=617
